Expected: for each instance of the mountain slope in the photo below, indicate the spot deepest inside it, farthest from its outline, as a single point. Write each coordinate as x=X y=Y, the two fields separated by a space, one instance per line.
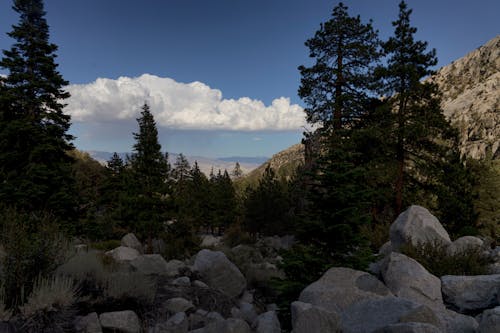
x=471 y=98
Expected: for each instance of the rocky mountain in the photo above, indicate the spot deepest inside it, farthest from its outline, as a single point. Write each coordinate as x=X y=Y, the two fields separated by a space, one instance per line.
x=284 y=163
x=471 y=98
x=206 y=164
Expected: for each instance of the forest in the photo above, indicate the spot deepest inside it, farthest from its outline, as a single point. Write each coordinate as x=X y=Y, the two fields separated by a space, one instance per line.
x=367 y=159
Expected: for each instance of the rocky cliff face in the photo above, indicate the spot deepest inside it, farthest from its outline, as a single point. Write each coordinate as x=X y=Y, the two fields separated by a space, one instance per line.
x=471 y=98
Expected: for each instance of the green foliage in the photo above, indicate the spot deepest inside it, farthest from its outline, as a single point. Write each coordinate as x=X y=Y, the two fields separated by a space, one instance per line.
x=302 y=266
x=147 y=198
x=335 y=87
x=33 y=246
x=106 y=245
x=437 y=259
x=180 y=241
x=487 y=201
x=35 y=171
x=235 y=235
x=267 y=206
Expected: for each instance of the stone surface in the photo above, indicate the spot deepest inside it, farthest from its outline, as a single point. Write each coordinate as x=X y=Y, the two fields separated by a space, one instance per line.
x=267 y=322
x=219 y=273
x=177 y=304
x=88 y=324
x=409 y=328
x=454 y=322
x=231 y=325
x=174 y=267
x=150 y=264
x=372 y=314
x=417 y=225
x=422 y=314
x=123 y=254
x=129 y=240
x=183 y=281
x=120 y=321
x=307 y=318
x=490 y=321
x=210 y=241
x=248 y=312
x=408 y=279
x=464 y=244
x=385 y=249
x=471 y=293
x=340 y=287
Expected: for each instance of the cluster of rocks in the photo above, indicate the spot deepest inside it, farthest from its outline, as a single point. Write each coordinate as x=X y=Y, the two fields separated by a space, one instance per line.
x=402 y=296
x=206 y=294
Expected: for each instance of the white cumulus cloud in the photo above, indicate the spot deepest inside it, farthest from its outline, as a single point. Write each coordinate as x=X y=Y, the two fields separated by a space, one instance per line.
x=178 y=105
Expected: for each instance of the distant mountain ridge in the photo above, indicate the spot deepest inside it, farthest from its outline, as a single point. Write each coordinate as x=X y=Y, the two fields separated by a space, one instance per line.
x=206 y=164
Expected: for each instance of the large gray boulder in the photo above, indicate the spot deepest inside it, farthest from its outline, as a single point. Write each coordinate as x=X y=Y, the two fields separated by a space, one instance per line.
x=490 y=321
x=341 y=287
x=219 y=273
x=267 y=322
x=425 y=315
x=373 y=314
x=129 y=240
x=88 y=324
x=465 y=243
x=120 y=321
x=417 y=225
x=150 y=264
x=123 y=254
x=471 y=293
x=408 y=279
x=307 y=318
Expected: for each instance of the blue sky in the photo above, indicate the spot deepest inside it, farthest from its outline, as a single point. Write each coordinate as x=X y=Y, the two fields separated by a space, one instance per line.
x=243 y=56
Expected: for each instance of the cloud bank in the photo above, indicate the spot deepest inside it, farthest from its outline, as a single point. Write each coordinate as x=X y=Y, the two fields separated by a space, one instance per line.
x=178 y=105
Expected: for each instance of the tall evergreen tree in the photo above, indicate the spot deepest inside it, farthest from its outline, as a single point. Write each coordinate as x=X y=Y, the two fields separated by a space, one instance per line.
x=149 y=171
x=421 y=135
x=35 y=170
x=335 y=87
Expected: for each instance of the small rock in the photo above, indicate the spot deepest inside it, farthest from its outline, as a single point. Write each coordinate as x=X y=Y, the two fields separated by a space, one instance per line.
x=129 y=240
x=490 y=321
x=121 y=321
x=177 y=304
x=81 y=248
x=200 y=284
x=210 y=241
x=182 y=281
x=267 y=322
x=231 y=325
x=174 y=267
x=88 y=324
x=123 y=254
x=464 y=244
x=409 y=328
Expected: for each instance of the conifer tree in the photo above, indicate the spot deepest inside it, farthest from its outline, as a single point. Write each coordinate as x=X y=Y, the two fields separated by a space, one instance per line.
x=35 y=170
x=421 y=136
x=237 y=172
x=335 y=87
x=149 y=170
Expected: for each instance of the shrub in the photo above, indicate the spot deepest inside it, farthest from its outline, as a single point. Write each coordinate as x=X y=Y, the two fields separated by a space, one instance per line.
x=33 y=246
x=435 y=257
x=106 y=245
x=123 y=286
x=235 y=235
x=180 y=241
x=5 y=314
x=49 y=306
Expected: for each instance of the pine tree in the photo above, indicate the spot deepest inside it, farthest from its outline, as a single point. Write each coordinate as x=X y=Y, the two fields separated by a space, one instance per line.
x=149 y=170
x=237 y=172
x=335 y=87
x=35 y=170
x=420 y=134
x=181 y=169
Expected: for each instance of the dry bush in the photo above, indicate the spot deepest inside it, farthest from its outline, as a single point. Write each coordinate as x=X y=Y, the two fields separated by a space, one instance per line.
x=49 y=308
x=435 y=257
x=5 y=314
